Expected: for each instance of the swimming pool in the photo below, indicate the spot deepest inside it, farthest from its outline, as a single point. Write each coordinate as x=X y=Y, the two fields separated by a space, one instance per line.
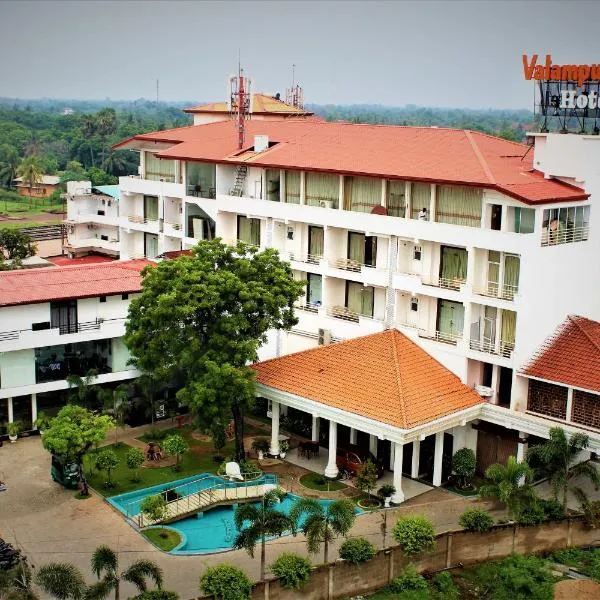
x=211 y=531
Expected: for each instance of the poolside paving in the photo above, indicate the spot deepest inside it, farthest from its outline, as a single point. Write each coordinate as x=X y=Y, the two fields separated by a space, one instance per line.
x=49 y=524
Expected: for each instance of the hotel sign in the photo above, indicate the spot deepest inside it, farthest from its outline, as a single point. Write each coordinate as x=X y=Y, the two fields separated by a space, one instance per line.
x=568 y=94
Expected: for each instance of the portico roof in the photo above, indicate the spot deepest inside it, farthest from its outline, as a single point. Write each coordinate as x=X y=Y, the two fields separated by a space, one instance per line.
x=385 y=377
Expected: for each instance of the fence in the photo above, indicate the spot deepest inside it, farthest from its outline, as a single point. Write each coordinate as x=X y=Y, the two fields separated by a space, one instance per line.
x=342 y=579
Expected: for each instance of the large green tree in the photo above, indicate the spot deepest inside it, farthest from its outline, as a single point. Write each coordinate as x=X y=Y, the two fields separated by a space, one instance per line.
x=560 y=457
x=200 y=320
x=9 y=162
x=73 y=432
x=16 y=245
x=31 y=170
x=256 y=522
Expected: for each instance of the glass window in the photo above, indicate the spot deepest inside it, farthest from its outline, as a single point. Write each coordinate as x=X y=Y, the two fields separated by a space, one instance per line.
x=524 y=220
x=396 y=198
x=159 y=168
x=458 y=205
x=316 y=241
x=362 y=194
x=453 y=267
x=360 y=299
x=420 y=195
x=273 y=184
x=314 y=291
x=201 y=179
x=450 y=319
x=151 y=208
x=248 y=230
x=292 y=187
x=322 y=189
x=565 y=225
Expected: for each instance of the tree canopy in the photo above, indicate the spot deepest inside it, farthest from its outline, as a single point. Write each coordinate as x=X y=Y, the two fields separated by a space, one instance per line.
x=200 y=320
x=15 y=245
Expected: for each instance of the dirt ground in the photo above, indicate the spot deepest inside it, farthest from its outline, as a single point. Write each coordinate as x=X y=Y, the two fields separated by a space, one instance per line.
x=579 y=589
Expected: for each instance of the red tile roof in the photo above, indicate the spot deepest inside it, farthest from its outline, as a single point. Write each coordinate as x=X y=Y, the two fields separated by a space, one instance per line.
x=430 y=154
x=571 y=355
x=383 y=376
x=170 y=254
x=262 y=104
x=65 y=283
x=90 y=259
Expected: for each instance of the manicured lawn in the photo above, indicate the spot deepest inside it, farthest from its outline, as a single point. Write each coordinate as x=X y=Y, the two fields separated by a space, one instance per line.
x=315 y=481
x=167 y=543
x=194 y=462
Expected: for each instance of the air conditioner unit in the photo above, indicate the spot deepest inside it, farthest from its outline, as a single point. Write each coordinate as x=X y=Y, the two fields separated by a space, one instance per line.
x=326 y=203
x=324 y=337
x=484 y=391
x=290 y=233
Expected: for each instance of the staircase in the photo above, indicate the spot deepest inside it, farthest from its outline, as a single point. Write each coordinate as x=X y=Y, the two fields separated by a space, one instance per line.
x=240 y=177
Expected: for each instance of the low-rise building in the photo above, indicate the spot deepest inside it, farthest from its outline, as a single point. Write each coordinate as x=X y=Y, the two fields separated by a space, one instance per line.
x=42 y=189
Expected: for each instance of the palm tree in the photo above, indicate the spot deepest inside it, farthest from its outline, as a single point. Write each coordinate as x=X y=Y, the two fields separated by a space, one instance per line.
x=116 y=403
x=510 y=484
x=31 y=171
x=15 y=584
x=322 y=524
x=84 y=392
x=105 y=565
x=114 y=163
x=558 y=457
x=106 y=122
x=88 y=129
x=8 y=166
x=263 y=521
x=61 y=580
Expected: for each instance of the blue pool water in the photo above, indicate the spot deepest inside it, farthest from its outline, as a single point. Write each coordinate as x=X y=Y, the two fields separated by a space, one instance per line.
x=211 y=531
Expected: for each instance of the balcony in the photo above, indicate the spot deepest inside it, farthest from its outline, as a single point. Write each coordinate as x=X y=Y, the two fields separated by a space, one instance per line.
x=101 y=217
x=503 y=349
x=570 y=235
x=172 y=229
x=445 y=337
x=134 y=184
x=369 y=274
x=498 y=290
x=140 y=223
x=81 y=244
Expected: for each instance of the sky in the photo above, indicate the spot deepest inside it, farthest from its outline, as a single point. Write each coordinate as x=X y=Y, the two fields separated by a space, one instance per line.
x=448 y=53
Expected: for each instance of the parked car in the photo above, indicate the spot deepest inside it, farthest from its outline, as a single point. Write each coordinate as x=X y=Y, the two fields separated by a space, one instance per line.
x=351 y=457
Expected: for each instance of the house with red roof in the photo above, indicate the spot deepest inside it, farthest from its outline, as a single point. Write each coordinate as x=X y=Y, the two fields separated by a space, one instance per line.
x=60 y=321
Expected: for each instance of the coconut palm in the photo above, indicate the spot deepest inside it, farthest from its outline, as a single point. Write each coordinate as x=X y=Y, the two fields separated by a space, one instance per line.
x=15 y=584
x=105 y=565
x=88 y=129
x=106 y=124
x=9 y=163
x=84 y=393
x=558 y=457
x=114 y=163
x=262 y=520
x=31 y=171
x=61 y=580
x=510 y=484
x=322 y=524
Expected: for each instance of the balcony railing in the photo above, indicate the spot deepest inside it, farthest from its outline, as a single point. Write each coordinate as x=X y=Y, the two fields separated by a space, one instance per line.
x=448 y=283
x=201 y=192
x=504 y=349
x=564 y=236
x=64 y=329
x=349 y=264
x=305 y=258
x=176 y=226
x=342 y=312
x=308 y=307
x=141 y=220
x=503 y=291
x=446 y=337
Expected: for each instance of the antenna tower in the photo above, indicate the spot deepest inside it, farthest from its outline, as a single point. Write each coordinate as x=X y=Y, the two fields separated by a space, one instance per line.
x=294 y=95
x=240 y=102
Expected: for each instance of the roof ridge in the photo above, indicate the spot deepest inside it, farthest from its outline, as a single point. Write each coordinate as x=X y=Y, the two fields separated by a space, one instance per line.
x=574 y=320
x=480 y=158
x=399 y=381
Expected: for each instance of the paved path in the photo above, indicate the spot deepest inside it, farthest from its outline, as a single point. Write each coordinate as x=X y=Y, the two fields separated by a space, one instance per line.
x=49 y=524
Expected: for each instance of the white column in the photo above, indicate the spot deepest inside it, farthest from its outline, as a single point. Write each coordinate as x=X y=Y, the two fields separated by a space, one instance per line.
x=353 y=435
x=398 y=496
x=316 y=422
x=331 y=469
x=416 y=452
x=437 y=461
x=373 y=445
x=11 y=416
x=302 y=187
x=522 y=446
x=33 y=410
x=274 y=449
x=341 y=194
x=569 y=412
x=392 y=454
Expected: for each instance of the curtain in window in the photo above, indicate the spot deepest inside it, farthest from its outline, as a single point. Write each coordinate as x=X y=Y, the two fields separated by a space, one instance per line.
x=360 y=299
x=493 y=277
x=151 y=243
x=314 y=291
x=509 y=324
x=454 y=264
x=419 y=198
x=450 y=318
x=316 y=241
x=512 y=266
x=356 y=247
x=158 y=168
x=292 y=187
x=364 y=193
x=321 y=187
x=151 y=208
x=458 y=205
x=396 y=200
x=524 y=220
x=273 y=184
x=249 y=230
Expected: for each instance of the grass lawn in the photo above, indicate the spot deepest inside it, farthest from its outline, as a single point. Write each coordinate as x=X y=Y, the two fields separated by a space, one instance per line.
x=316 y=481
x=23 y=224
x=167 y=543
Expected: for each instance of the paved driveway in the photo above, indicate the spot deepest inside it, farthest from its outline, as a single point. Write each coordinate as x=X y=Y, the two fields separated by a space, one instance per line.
x=49 y=524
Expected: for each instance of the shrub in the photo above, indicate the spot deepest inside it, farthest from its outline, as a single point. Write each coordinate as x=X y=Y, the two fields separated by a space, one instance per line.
x=107 y=460
x=591 y=513
x=463 y=465
x=154 y=507
x=532 y=515
x=357 y=550
x=157 y=595
x=476 y=519
x=386 y=491
x=409 y=581
x=225 y=582
x=260 y=445
x=414 y=534
x=176 y=446
x=553 y=509
x=443 y=587
x=292 y=569
x=135 y=458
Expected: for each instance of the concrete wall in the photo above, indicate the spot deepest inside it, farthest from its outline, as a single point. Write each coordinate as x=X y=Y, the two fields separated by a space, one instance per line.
x=17 y=368
x=341 y=579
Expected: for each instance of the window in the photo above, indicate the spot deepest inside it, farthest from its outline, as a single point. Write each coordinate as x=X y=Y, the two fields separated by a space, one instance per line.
x=316 y=241
x=124 y=296
x=314 y=292
x=458 y=205
x=273 y=184
x=360 y=299
x=362 y=249
x=417 y=251
x=414 y=304
x=151 y=208
x=63 y=315
x=102 y=298
x=201 y=179
x=524 y=220
x=565 y=225
x=248 y=230
x=453 y=267
x=158 y=169
x=322 y=190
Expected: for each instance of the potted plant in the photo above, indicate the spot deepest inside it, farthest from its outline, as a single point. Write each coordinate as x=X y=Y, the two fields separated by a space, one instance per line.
x=260 y=446
x=13 y=429
x=386 y=492
x=42 y=422
x=284 y=446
